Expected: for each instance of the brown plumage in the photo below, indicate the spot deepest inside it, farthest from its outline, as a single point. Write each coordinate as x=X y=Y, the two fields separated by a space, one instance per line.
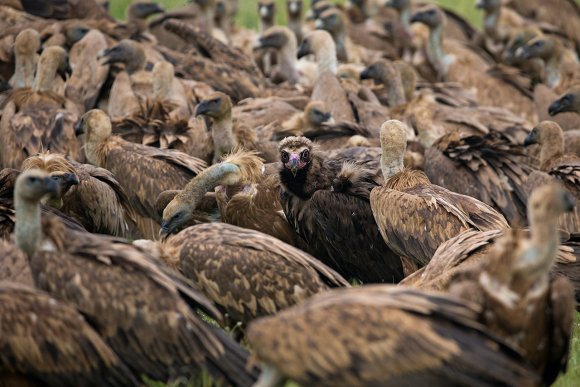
x=283 y=42
x=516 y=277
x=93 y=196
x=26 y=46
x=556 y=166
x=568 y=102
x=143 y=172
x=68 y=9
x=327 y=203
x=415 y=216
x=384 y=335
x=142 y=311
x=246 y=273
x=489 y=168
x=38 y=118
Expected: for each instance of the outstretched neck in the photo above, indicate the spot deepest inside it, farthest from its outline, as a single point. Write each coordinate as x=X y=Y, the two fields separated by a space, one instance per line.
x=28 y=228
x=207 y=180
x=24 y=70
x=287 y=60
x=435 y=52
x=45 y=76
x=223 y=136
x=326 y=59
x=391 y=162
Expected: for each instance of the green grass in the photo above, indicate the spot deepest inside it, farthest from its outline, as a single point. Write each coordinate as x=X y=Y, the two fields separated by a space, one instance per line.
x=572 y=377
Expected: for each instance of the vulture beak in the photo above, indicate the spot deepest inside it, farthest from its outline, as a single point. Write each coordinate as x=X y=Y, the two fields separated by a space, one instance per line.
x=531 y=139
x=79 y=128
x=365 y=74
x=303 y=50
x=147 y=9
x=293 y=164
x=417 y=18
x=165 y=229
x=51 y=186
x=569 y=202
x=560 y=105
x=66 y=70
x=71 y=178
x=327 y=117
x=202 y=108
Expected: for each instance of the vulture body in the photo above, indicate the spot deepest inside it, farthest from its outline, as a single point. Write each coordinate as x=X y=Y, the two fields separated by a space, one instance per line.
x=328 y=205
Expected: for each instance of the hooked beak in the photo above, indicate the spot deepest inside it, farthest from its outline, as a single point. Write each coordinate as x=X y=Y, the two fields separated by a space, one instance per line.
x=522 y=52
x=79 y=128
x=165 y=229
x=303 y=50
x=201 y=108
x=293 y=164
x=561 y=105
x=365 y=74
x=51 y=186
x=530 y=139
x=71 y=178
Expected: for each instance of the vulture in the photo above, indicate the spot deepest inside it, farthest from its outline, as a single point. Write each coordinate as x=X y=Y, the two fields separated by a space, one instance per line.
x=226 y=135
x=523 y=304
x=569 y=102
x=294 y=16
x=39 y=118
x=556 y=166
x=327 y=203
x=384 y=335
x=246 y=273
x=47 y=342
x=66 y=9
x=283 y=41
x=489 y=168
x=26 y=46
x=89 y=194
x=415 y=216
x=142 y=171
x=142 y=311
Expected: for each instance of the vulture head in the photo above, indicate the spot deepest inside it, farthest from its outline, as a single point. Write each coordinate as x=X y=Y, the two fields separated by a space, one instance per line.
x=33 y=184
x=96 y=125
x=488 y=5
x=267 y=11
x=52 y=61
x=294 y=9
x=76 y=32
x=314 y=42
x=399 y=5
x=317 y=113
x=143 y=9
x=216 y=106
x=331 y=20
x=518 y=40
x=27 y=42
x=318 y=8
x=380 y=71
x=569 y=102
x=58 y=168
x=546 y=132
x=278 y=38
x=295 y=153
x=128 y=52
x=430 y=15
x=539 y=47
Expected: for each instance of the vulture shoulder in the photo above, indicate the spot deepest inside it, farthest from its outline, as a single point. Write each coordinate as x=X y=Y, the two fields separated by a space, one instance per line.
x=358 y=341
x=415 y=221
x=62 y=349
x=327 y=88
x=149 y=321
x=247 y=273
x=14 y=265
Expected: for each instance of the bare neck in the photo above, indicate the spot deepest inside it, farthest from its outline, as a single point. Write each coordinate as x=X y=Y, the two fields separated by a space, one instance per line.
x=538 y=258
x=326 y=59
x=223 y=136
x=93 y=150
x=287 y=63
x=28 y=229
x=207 y=180
x=395 y=89
x=435 y=52
x=551 y=150
x=391 y=161
x=24 y=67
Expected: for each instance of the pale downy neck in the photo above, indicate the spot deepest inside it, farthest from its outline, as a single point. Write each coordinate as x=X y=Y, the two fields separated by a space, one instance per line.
x=223 y=136
x=137 y=62
x=93 y=146
x=552 y=149
x=405 y=19
x=395 y=89
x=24 y=66
x=28 y=229
x=553 y=69
x=326 y=58
x=207 y=180
x=435 y=52
x=392 y=160
x=45 y=75
x=340 y=42
x=287 y=63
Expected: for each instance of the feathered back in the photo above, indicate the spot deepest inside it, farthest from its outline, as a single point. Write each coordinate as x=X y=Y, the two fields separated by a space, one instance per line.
x=249 y=162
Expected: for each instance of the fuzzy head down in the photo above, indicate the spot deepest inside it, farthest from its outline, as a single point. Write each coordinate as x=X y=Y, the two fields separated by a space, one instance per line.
x=295 y=153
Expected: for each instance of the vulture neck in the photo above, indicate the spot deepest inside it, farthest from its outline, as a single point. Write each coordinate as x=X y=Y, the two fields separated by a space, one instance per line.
x=435 y=52
x=554 y=68
x=326 y=59
x=28 y=229
x=295 y=25
x=395 y=89
x=340 y=42
x=391 y=161
x=207 y=180
x=24 y=66
x=94 y=147
x=287 y=62
x=45 y=76
x=223 y=136
x=490 y=22
x=265 y=23
x=137 y=24
x=136 y=63
x=405 y=20
x=551 y=150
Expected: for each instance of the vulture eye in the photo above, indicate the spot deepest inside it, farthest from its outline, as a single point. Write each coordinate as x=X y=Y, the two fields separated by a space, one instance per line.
x=177 y=216
x=285 y=156
x=33 y=180
x=56 y=177
x=305 y=155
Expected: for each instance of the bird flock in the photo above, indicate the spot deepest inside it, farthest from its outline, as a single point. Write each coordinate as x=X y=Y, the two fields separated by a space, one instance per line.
x=374 y=194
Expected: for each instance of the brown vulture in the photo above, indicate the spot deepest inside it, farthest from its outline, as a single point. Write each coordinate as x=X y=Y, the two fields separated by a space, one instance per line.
x=327 y=203
x=143 y=172
x=26 y=46
x=47 y=342
x=141 y=310
x=384 y=335
x=415 y=216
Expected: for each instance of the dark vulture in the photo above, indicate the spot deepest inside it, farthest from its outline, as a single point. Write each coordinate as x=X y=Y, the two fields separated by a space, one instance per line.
x=66 y=9
x=520 y=300
x=246 y=273
x=489 y=168
x=143 y=172
x=89 y=194
x=39 y=118
x=327 y=203
x=142 y=311
x=384 y=335
x=282 y=41
x=415 y=216
x=569 y=102
x=47 y=342
x=556 y=166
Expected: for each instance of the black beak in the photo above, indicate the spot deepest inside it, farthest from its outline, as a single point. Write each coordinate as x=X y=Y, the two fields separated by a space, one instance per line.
x=365 y=74
x=326 y=117
x=569 y=202
x=530 y=139
x=51 y=186
x=147 y=9
x=109 y=55
x=303 y=50
x=66 y=70
x=202 y=108
x=164 y=230
x=79 y=128
x=560 y=105
x=417 y=18
x=71 y=178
